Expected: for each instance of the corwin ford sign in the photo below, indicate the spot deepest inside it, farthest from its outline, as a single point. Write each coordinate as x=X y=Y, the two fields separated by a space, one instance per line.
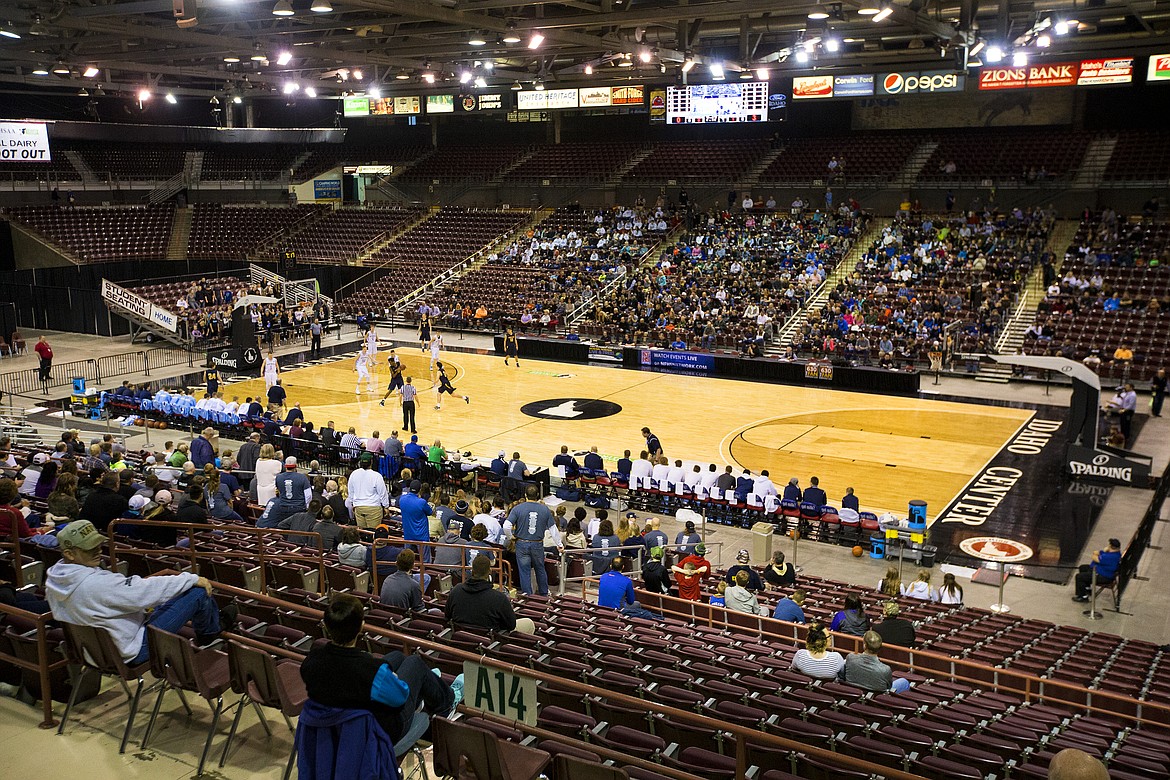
x=1086 y=463
x=919 y=83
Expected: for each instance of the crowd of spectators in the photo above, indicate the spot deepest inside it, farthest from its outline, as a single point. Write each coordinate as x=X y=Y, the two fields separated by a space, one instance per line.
x=926 y=281
x=731 y=279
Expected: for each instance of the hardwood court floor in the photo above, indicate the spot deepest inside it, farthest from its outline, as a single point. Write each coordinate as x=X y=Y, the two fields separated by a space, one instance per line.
x=889 y=449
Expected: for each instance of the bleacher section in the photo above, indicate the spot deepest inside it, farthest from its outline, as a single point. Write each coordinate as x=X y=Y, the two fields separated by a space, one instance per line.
x=428 y=250
x=693 y=161
x=467 y=164
x=57 y=169
x=864 y=157
x=1115 y=291
x=228 y=232
x=133 y=162
x=573 y=162
x=234 y=162
x=1140 y=155
x=98 y=233
x=341 y=234
x=1006 y=155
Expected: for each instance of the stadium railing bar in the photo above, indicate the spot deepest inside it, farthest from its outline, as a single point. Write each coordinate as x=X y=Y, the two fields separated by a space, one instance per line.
x=1140 y=540
x=28 y=380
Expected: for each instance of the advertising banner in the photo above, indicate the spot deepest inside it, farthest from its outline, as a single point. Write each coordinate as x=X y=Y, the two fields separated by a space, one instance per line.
x=626 y=96
x=1113 y=71
x=562 y=98
x=469 y=103
x=355 y=106
x=1159 y=70
x=411 y=104
x=327 y=189
x=1089 y=464
x=999 y=108
x=234 y=358
x=440 y=104
x=811 y=87
x=1057 y=74
x=164 y=318
x=926 y=82
x=24 y=142
x=537 y=100
x=860 y=85
x=658 y=105
x=121 y=297
x=608 y=354
x=590 y=97
x=691 y=361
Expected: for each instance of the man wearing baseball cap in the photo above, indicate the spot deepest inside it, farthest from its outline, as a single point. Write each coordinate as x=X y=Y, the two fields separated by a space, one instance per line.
x=79 y=591
x=293 y=493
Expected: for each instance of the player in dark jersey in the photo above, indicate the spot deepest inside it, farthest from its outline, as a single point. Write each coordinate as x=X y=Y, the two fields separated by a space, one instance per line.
x=511 y=347
x=396 y=383
x=424 y=332
x=444 y=386
x=212 y=379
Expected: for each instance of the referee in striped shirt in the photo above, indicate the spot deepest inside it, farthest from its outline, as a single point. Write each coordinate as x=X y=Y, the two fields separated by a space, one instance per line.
x=409 y=391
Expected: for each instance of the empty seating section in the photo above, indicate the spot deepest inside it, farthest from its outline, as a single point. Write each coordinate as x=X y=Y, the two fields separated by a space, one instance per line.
x=322 y=157
x=342 y=233
x=562 y=262
x=862 y=157
x=1140 y=155
x=921 y=276
x=228 y=232
x=1007 y=154
x=573 y=161
x=99 y=233
x=133 y=162
x=715 y=161
x=450 y=164
x=424 y=252
x=59 y=169
x=1115 y=292
x=732 y=281
x=234 y=162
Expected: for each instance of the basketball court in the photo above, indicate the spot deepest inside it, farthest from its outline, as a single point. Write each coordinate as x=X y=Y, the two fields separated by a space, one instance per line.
x=889 y=449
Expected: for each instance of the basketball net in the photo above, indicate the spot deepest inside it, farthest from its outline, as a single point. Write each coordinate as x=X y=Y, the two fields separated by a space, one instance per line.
x=935 y=361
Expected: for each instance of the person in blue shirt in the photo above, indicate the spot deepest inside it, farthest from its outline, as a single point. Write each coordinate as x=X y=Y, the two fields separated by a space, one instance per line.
x=415 y=511
x=813 y=493
x=500 y=465
x=615 y=590
x=593 y=461
x=789 y=607
x=744 y=485
x=529 y=522
x=792 y=490
x=1105 y=563
x=414 y=451
x=850 y=501
x=624 y=465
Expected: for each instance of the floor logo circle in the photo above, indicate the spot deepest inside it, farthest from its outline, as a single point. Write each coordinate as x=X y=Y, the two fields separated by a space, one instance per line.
x=993 y=548
x=571 y=409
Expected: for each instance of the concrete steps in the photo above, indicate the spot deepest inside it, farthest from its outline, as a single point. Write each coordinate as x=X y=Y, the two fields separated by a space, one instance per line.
x=180 y=234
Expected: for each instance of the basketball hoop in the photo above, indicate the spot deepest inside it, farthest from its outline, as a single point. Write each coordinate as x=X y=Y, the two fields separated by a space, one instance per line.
x=936 y=361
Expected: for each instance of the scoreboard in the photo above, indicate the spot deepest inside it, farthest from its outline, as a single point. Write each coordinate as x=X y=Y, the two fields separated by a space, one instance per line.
x=717 y=103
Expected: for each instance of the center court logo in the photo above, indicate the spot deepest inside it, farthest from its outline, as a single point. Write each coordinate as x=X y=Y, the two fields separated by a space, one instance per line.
x=571 y=409
x=992 y=548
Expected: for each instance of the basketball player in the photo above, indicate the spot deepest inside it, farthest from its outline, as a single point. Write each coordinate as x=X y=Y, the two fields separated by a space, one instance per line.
x=511 y=347
x=362 y=367
x=211 y=376
x=271 y=370
x=372 y=343
x=395 y=366
x=444 y=386
x=436 y=345
x=424 y=331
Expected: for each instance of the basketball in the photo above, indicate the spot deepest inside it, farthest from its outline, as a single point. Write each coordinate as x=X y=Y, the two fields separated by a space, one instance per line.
x=857 y=551
x=162 y=424
x=794 y=534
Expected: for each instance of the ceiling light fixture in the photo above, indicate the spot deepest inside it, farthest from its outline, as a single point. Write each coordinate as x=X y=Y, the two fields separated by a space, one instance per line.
x=284 y=58
x=884 y=13
x=802 y=56
x=1065 y=26
x=476 y=39
x=510 y=36
x=311 y=91
x=290 y=87
x=1020 y=60
x=374 y=92
x=171 y=98
x=645 y=55
x=428 y=77
x=90 y=72
x=480 y=82
x=8 y=31
x=717 y=70
x=818 y=12
x=978 y=47
x=282 y=8
x=762 y=74
x=488 y=65
x=517 y=86
x=231 y=59
x=60 y=69
x=538 y=85
x=688 y=64
x=464 y=77
x=40 y=70
x=535 y=41
x=257 y=55
x=357 y=74
x=832 y=45
x=402 y=75
x=1044 y=40
x=869 y=10
x=143 y=95
x=321 y=7
x=588 y=69
x=83 y=92
x=994 y=54
x=237 y=99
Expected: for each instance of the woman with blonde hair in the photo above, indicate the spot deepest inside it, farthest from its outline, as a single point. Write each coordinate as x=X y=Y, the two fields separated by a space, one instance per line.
x=920 y=589
x=891 y=584
x=267 y=467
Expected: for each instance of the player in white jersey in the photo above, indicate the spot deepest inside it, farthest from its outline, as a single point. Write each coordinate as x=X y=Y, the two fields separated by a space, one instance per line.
x=271 y=370
x=436 y=346
x=372 y=343
x=362 y=366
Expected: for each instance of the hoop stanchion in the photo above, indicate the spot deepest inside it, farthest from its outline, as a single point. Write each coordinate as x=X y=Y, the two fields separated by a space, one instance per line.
x=1001 y=607
x=1091 y=613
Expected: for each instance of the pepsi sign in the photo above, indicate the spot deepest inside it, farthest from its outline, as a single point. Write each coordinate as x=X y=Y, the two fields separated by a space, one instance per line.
x=920 y=83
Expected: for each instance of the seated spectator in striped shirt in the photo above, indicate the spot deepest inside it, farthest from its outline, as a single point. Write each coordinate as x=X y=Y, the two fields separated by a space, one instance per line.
x=815 y=659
